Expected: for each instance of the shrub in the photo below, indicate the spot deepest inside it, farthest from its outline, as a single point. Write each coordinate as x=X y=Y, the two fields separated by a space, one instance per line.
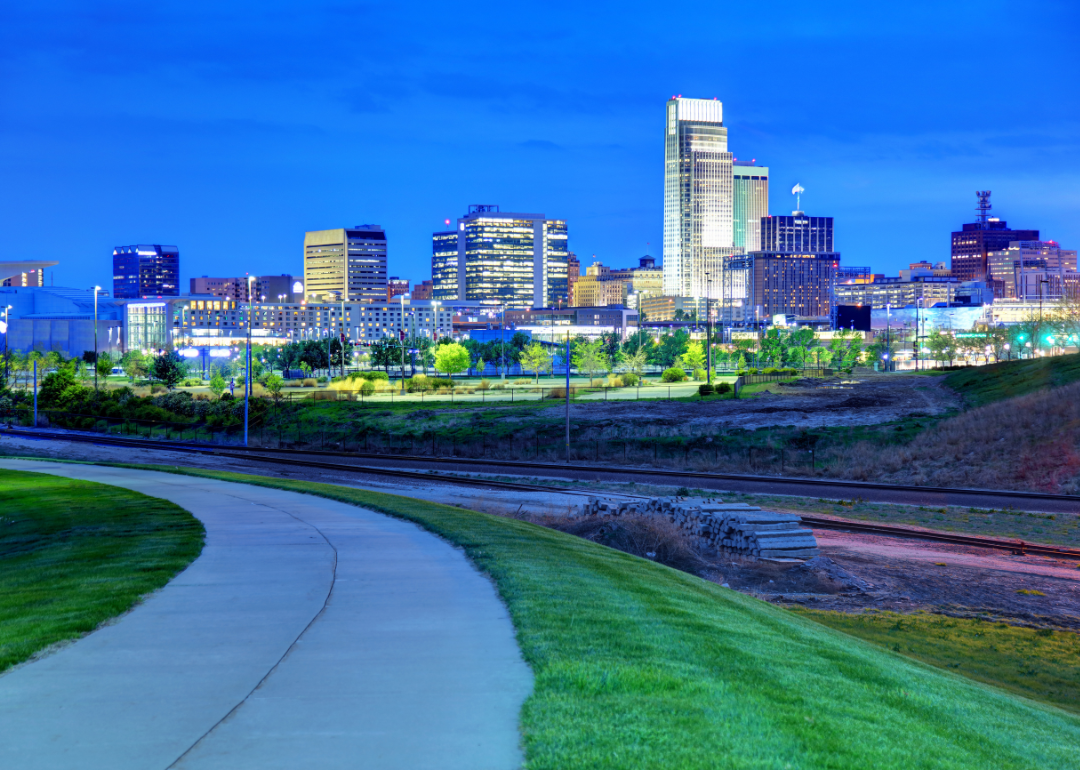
x=158 y=389
x=723 y=387
x=674 y=374
x=630 y=379
x=699 y=374
x=309 y=382
x=323 y=380
x=484 y=385
x=770 y=370
x=561 y=392
x=706 y=389
x=372 y=375
x=191 y=382
x=523 y=382
x=367 y=388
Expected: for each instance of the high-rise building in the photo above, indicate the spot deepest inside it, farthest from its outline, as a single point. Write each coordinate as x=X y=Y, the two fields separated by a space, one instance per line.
x=972 y=245
x=395 y=287
x=501 y=259
x=796 y=233
x=266 y=288
x=1005 y=266
x=698 y=195
x=422 y=290
x=146 y=271
x=750 y=185
x=349 y=260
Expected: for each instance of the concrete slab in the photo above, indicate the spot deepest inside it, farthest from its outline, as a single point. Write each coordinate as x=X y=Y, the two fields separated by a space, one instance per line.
x=309 y=633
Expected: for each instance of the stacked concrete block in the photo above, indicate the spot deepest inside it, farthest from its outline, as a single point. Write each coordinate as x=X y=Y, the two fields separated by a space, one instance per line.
x=733 y=527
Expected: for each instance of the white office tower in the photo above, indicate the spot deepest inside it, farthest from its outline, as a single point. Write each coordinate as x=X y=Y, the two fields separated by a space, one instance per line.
x=698 y=197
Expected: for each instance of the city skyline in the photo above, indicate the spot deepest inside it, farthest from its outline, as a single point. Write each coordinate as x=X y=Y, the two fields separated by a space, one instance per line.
x=233 y=156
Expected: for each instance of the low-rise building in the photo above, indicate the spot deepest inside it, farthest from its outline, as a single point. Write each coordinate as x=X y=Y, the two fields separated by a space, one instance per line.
x=664 y=308
x=53 y=318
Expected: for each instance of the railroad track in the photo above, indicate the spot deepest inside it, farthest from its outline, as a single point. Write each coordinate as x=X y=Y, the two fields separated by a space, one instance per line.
x=297 y=458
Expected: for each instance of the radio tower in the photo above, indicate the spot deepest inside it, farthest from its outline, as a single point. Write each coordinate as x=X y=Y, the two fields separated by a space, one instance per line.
x=984 y=206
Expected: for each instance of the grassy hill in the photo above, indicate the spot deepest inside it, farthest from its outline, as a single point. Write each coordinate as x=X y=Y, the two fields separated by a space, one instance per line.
x=640 y=666
x=983 y=384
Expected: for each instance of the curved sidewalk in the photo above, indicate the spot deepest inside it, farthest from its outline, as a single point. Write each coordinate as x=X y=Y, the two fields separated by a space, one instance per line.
x=308 y=633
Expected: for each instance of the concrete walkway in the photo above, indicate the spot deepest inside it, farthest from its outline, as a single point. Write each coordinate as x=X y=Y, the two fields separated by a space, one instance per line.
x=308 y=634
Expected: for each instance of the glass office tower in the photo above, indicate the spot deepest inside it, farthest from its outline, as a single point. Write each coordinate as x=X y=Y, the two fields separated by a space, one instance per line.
x=501 y=259
x=698 y=197
x=750 y=186
x=146 y=271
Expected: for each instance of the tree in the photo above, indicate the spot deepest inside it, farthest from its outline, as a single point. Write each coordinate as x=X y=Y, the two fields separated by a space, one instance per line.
x=942 y=346
x=217 y=383
x=451 y=358
x=671 y=347
x=635 y=362
x=520 y=340
x=590 y=357
x=104 y=365
x=134 y=364
x=694 y=357
x=273 y=385
x=168 y=369
x=386 y=353
x=536 y=358
x=609 y=343
x=637 y=341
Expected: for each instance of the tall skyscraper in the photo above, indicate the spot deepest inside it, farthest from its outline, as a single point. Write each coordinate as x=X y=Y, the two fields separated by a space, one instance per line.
x=501 y=259
x=750 y=185
x=350 y=260
x=146 y=271
x=698 y=196
x=973 y=243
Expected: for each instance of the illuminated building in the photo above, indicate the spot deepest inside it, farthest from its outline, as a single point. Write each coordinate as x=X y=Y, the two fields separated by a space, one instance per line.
x=1005 y=267
x=286 y=288
x=698 y=195
x=750 y=204
x=501 y=259
x=972 y=245
x=146 y=271
x=349 y=260
x=395 y=287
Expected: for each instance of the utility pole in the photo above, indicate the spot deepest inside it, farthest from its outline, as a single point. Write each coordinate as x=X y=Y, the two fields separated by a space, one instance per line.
x=401 y=341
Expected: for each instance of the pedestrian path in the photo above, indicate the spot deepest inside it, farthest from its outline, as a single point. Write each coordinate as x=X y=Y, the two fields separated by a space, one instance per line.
x=308 y=634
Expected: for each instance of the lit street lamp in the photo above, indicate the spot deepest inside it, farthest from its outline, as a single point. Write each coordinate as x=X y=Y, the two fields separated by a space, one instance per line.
x=96 y=290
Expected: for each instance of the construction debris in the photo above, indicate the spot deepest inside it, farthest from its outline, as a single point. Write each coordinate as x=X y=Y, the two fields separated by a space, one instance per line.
x=733 y=527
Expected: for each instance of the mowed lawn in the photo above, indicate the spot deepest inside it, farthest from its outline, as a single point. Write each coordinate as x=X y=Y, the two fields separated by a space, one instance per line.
x=640 y=666
x=74 y=554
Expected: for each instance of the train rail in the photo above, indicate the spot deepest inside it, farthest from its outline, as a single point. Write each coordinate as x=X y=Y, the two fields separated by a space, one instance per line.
x=305 y=459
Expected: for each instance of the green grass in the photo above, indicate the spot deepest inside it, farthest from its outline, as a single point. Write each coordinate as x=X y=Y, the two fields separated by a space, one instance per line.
x=639 y=666
x=74 y=554
x=983 y=384
x=1040 y=664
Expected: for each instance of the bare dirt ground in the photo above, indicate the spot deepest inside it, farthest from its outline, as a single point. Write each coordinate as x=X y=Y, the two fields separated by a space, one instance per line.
x=854 y=572
x=806 y=403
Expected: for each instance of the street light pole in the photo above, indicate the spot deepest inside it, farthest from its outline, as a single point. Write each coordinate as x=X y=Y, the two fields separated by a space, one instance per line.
x=708 y=330
x=247 y=373
x=401 y=341
x=7 y=333
x=96 y=290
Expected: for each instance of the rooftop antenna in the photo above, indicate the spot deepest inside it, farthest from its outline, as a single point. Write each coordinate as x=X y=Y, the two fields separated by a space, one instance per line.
x=984 y=205
x=797 y=191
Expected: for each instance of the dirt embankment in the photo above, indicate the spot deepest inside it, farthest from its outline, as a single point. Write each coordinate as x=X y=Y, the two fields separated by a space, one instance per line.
x=807 y=403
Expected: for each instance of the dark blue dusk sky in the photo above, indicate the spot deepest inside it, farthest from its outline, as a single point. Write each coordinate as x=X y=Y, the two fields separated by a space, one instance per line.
x=229 y=129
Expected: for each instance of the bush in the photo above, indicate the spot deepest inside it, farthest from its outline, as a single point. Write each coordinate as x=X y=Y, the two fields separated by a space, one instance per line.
x=561 y=392
x=323 y=380
x=699 y=374
x=372 y=375
x=706 y=389
x=674 y=374
x=484 y=385
x=191 y=382
x=770 y=370
x=723 y=387
x=367 y=388
x=523 y=382
x=630 y=379
x=309 y=382
x=158 y=389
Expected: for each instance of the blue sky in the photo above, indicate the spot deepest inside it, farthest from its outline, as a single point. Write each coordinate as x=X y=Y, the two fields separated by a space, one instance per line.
x=228 y=129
